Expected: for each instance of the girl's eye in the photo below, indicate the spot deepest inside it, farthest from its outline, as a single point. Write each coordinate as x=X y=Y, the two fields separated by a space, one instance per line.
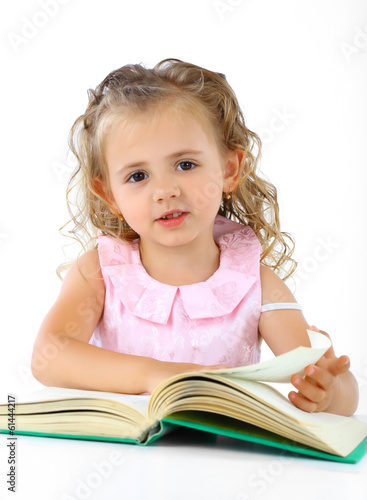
x=186 y=165
x=137 y=177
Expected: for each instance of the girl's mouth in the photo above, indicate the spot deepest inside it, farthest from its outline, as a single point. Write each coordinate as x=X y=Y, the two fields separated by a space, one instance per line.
x=172 y=216
x=172 y=220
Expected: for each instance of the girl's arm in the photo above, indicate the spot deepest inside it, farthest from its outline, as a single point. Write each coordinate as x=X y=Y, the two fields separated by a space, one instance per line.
x=328 y=385
x=62 y=356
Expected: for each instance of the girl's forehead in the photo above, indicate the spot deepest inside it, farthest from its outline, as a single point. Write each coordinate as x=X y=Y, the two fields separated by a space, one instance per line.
x=161 y=122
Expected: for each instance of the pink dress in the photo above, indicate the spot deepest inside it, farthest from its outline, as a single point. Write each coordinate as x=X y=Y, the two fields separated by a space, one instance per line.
x=211 y=322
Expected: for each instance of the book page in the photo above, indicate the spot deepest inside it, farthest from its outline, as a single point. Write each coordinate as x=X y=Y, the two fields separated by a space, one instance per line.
x=137 y=402
x=341 y=434
x=281 y=368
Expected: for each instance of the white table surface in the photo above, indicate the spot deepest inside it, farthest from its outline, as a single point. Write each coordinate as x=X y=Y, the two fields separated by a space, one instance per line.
x=186 y=464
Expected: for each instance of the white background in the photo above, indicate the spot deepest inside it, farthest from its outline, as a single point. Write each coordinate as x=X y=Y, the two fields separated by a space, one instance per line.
x=304 y=61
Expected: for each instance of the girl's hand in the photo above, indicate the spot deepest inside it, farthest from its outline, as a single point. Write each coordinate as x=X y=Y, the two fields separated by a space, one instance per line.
x=317 y=389
x=165 y=369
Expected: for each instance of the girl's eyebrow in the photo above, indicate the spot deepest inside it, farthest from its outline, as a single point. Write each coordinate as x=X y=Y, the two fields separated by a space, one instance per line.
x=172 y=156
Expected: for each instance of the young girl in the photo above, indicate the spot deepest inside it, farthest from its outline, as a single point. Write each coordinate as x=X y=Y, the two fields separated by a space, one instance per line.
x=182 y=275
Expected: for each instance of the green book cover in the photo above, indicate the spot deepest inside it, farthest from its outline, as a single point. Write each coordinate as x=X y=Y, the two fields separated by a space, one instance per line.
x=217 y=425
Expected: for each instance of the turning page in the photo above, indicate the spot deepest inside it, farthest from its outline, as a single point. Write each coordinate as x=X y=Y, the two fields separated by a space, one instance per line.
x=281 y=368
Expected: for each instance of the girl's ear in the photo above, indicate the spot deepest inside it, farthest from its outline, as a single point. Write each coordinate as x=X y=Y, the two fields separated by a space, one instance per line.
x=101 y=189
x=232 y=169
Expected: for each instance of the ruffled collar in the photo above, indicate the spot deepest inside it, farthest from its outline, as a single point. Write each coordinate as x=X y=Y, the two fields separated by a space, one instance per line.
x=220 y=294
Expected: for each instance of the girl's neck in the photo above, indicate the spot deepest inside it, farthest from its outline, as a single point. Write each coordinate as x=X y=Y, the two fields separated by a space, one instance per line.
x=179 y=266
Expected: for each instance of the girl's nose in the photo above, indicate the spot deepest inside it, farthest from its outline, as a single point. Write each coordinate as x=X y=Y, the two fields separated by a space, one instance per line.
x=165 y=191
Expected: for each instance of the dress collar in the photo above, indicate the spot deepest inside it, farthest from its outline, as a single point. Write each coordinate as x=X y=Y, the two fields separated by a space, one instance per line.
x=220 y=294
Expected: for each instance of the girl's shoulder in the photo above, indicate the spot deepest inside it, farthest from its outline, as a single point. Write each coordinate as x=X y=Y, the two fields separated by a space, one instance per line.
x=273 y=288
x=86 y=272
x=89 y=263
x=82 y=288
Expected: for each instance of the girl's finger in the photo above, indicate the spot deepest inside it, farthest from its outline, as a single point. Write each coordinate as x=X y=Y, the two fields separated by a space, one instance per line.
x=301 y=402
x=319 y=377
x=342 y=365
x=309 y=390
x=336 y=366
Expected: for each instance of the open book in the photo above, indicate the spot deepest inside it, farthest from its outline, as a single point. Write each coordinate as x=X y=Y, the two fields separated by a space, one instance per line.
x=233 y=402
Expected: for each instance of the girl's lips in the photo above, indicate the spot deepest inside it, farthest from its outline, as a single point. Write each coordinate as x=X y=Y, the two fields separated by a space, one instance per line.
x=174 y=221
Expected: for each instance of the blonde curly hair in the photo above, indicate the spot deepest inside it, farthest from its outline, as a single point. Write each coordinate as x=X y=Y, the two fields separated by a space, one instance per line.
x=135 y=89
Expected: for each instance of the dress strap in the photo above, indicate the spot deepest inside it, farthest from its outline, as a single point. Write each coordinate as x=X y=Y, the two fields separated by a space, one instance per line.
x=281 y=305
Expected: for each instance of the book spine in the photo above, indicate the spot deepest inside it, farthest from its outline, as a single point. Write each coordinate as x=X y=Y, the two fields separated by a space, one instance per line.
x=149 y=433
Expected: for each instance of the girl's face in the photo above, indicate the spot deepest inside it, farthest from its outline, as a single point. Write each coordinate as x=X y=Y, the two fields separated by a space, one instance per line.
x=167 y=177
